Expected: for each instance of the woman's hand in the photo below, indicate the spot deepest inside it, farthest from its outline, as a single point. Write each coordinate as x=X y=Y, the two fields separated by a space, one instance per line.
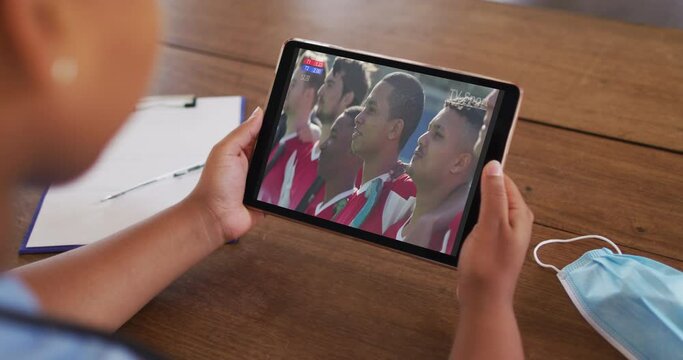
x=220 y=190
x=493 y=253
x=490 y=262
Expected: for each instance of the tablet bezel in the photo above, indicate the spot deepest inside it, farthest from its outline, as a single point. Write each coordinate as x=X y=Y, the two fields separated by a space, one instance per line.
x=495 y=144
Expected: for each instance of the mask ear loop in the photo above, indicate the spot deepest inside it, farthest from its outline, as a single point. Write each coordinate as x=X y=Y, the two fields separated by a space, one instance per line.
x=542 y=264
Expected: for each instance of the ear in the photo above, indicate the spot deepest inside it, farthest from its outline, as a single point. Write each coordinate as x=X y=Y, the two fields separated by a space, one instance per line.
x=396 y=128
x=346 y=99
x=33 y=31
x=461 y=163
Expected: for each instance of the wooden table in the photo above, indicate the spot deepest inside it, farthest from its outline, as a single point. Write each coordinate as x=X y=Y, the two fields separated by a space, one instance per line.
x=598 y=149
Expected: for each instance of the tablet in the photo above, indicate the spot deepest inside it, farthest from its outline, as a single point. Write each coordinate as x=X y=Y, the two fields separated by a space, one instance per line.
x=384 y=150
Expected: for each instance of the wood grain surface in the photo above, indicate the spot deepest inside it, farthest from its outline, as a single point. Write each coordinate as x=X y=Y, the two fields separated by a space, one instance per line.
x=606 y=77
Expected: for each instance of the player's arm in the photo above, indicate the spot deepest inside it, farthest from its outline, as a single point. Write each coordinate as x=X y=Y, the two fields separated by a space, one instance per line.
x=308 y=132
x=104 y=284
x=489 y=266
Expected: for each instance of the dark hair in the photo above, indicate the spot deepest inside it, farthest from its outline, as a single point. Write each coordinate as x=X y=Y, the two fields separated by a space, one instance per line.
x=315 y=81
x=405 y=102
x=356 y=77
x=474 y=117
x=353 y=111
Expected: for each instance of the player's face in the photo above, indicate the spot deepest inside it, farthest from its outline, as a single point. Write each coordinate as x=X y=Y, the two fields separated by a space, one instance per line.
x=329 y=97
x=335 y=151
x=372 y=124
x=436 y=147
x=295 y=91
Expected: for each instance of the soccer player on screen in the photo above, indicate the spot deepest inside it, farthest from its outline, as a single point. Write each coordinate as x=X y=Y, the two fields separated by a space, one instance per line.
x=442 y=168
x=299 y=101
x=390 y=115
x=338 y=168
x=346 y=85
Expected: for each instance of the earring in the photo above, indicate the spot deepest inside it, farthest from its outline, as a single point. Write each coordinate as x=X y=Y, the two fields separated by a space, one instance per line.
x=64 y=70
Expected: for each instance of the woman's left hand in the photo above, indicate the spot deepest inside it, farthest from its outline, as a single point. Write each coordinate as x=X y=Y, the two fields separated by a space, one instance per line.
x=220 y=190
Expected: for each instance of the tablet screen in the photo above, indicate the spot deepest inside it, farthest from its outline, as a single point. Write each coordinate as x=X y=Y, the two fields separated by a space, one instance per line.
x=377 y=148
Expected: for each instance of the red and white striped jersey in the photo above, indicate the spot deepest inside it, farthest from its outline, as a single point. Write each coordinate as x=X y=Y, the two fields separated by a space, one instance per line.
x=395 y=200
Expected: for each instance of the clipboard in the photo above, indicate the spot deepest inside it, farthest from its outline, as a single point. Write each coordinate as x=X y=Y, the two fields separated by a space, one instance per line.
x=155 y=140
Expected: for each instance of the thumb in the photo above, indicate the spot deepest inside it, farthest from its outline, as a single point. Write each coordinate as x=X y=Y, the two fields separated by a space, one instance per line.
x=241 y=139
x=494 y=202
x=255 y=120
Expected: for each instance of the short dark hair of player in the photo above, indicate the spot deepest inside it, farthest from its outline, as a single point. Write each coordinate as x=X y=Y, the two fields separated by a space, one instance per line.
x=315 y=81
x=355 y=77
x=405 y=102
x=474 y=118
x=352 y=111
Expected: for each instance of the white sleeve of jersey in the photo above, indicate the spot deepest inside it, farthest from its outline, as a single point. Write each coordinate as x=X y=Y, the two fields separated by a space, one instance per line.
x=444 y=244
x=287 y=181
x=396 y=208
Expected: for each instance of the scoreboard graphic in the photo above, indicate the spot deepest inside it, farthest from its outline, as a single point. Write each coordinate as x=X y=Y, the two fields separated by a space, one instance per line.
x=312 y=66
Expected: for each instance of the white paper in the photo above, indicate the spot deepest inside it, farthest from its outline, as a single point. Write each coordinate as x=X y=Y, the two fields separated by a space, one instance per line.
x=153 y=142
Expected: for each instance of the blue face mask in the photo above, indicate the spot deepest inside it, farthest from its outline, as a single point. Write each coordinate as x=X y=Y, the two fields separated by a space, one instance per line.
x=634 y=302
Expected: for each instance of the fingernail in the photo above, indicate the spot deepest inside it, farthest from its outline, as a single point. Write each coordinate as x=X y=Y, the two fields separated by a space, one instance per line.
x=494 y=168
x=258 y=108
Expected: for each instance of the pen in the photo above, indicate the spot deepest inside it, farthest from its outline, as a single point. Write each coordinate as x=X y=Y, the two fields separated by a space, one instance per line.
x=175 y=174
